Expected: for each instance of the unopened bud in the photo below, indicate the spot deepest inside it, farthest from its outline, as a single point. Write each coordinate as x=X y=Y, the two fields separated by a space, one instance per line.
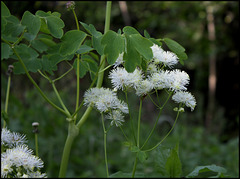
x=70 y=5
x=10 y=69
x=35 y=127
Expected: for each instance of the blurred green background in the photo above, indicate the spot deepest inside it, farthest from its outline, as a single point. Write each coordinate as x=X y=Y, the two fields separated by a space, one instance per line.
x=208 y=135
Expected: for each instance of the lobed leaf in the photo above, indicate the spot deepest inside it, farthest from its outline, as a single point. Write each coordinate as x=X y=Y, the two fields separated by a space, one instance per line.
x=6 y=51
x=71 y=41
x=113 y=46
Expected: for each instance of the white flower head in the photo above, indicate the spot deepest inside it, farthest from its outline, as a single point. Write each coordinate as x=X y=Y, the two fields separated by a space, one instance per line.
x=19 y=156
x=12 y=139
x=104 y=99
x=179 y=79
x=161 y=79
x=166 y=57
x=121 y=79
x=116 y=117
x=144 y=87
x=186 y=98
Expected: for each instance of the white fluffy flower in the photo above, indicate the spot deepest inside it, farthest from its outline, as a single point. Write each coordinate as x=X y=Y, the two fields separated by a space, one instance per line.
x=104 y=99
x=166 y=57
x=144 y=87
x=179 y=79
x=19 y=156
x=121 y=79
x=12 y=139
x=116 y=117
x=186 y=98
x=161 y=79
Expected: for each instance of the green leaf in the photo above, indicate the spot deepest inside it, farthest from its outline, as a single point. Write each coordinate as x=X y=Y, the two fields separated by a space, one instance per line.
x=13 y=27
x=84 y=49
x=51 y=23
x=32 y=23
x=47 y=65
x=162 y=154
x=71 y=41
x=96 y=41
x=142 y=45
x=113 y=46
x=39 y=45
x=176 y=48
x=130 y=30
x=131 y=56
x=83 y=67
x=207 y=168
x=4 y=10
x=4 y=116
x=29 y=57
x=173 y=165
x=6 y=51
x=142 y=156
x=134 y=148
x=146 y=34
x=91 y=29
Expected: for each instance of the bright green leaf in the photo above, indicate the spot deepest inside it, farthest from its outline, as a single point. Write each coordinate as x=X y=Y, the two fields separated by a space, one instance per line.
x=128 y=30
x=71 y=41
x=142 y=45
x=31 y=22
x=201 y=169
x=113 y=46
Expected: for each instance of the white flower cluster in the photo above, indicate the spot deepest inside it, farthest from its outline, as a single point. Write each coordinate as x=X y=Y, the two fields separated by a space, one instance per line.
x=156 y=78
x=17 y=160
x=106 y=101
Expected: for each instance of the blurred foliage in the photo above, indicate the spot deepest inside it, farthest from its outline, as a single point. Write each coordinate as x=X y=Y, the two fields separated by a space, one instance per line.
x=184 y=22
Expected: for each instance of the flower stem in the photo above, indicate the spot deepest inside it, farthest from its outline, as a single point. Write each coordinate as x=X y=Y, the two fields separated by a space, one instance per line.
x=105 y=146
x=134 y=167
x=148 y=150
x=36 y=144
x=139 y=122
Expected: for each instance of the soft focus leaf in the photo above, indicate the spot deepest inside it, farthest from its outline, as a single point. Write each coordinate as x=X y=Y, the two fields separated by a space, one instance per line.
x=113 y=46
x=162 y=154
x=120 y=174
x=71 y=41
x=173 y=164
x=142 y=156
x=201 y=169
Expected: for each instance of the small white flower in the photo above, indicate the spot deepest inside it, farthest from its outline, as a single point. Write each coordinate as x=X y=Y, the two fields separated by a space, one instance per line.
x=161 y=79
x=166 y=57
x=186 y=98
x=116 y=117
x=144 y=87
x=179 y=79
x=12 y=139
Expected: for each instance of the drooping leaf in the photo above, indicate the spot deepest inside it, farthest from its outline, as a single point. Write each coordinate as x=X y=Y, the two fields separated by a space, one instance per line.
x=173 y=164
x=200 y=169
x=71 y=41
x=113 y=46
x=32 y=23
x=6 y=51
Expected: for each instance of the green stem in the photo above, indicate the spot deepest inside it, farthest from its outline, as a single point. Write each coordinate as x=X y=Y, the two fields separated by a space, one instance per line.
x=36 y=144
x=78 y=83
x=60 y=99
x=165 y=136
x=156 y=122
x=105 y=146
x=75 y=16
x=124 y=133
x=72 y=133
x=35 y=84
x=134 y=167
x=139 y=122
x=63 y=75
x=7 y=98
x=133 y=131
